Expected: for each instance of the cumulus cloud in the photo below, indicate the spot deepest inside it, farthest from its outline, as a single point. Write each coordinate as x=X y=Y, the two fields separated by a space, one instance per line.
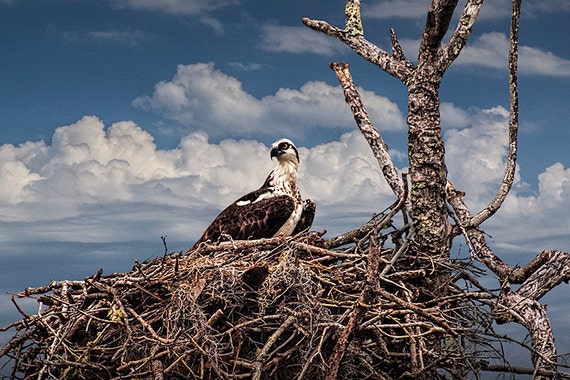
x=15 y=171
x=298 y=39
x=453 y=116
x=97 y=182
x=97 y=172
x=475 y=155
x=476 y=160
x=491 y=50
x=100 y=182
x=200 y=97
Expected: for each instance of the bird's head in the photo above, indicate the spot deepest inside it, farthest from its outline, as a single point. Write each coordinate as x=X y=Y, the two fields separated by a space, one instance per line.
x=285 y=151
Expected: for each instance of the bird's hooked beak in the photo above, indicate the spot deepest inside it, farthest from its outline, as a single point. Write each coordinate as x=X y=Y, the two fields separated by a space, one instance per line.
x=276 y=152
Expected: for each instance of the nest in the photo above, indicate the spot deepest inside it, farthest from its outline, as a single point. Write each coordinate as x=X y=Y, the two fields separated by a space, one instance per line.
x=282 y=308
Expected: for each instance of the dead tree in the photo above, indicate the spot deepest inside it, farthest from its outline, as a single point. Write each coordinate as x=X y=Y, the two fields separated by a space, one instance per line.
x=430 y=190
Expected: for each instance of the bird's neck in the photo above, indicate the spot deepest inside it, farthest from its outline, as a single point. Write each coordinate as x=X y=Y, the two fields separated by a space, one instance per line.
x=284 y=178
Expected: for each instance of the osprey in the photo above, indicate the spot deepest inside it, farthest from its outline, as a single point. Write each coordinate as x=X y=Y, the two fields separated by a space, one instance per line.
x=273 y=209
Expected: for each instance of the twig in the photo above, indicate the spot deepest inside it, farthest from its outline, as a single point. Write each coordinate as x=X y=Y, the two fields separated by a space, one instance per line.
x=262 y=355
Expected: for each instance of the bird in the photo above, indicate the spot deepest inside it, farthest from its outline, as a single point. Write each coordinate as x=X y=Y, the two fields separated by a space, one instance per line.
x=276 y=208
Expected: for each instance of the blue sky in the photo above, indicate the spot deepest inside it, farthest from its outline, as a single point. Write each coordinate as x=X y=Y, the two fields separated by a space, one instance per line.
x=125 y=120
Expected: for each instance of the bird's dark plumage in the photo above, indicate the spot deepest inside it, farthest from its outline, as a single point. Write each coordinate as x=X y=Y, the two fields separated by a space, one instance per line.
x=275 y=208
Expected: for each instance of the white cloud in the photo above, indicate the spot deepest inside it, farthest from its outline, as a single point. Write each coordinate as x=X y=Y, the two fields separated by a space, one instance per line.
x=129 y=37
x=100 y=184
x=110 y=36
x=536 y=61
x=97 y=183
x=200 y=97
x=453 y=116
x=476 y=159
x=475 y=156
x=245 y=66
x=534 y=7
x=491 y=50
x=15 y=171
x=417 y=10
x=103 y=183
x=298 y=39
x=184 y=7
x=199 y=9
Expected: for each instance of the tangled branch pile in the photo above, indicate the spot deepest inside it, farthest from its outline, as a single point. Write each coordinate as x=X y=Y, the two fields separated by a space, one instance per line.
x=288 y=308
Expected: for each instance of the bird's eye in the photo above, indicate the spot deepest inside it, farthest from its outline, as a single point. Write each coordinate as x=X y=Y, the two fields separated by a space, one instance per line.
x=284 y=145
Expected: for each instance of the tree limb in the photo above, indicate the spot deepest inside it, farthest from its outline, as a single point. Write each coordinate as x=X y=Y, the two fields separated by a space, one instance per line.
x=372 y=135
x=533 y=316
x=554 y=270
x=437 y=23
x=509 y=176
x=353 y=19
x=550 y=268
x=358 y=312
x=398 y=68
x=461 y=34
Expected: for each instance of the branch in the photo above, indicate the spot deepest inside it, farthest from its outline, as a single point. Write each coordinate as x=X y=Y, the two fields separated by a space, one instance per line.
x=485 y=366
x=474 y=236
x=550 y=268
x=437 y=23
x=353 y=19
x=358 y=312
x=543 y=273
x=398 y=67
x=554 y=270
x=461 y=34
x=508 y=179
x=372 y=135
x=264 y=352
x=533 y=316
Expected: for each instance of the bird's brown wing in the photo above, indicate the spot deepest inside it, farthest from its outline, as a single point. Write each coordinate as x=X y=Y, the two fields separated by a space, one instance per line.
x=309 y=208
x=249 y=219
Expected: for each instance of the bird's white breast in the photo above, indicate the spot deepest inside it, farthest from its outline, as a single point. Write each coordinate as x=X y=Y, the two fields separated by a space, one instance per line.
x=289 y=226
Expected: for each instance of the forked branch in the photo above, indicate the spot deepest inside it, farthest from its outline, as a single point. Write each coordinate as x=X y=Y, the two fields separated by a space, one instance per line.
x=461 y=34
x=353 y=36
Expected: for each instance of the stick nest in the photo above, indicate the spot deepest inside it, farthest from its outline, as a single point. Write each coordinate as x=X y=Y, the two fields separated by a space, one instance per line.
x=283 y=308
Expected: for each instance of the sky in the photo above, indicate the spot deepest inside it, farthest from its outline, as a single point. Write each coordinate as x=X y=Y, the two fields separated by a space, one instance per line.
x=126 y=120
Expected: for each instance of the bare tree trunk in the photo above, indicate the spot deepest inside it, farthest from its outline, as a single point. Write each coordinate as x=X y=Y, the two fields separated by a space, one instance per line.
x=430 y=190
x=428 y=174
x=426 y=153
